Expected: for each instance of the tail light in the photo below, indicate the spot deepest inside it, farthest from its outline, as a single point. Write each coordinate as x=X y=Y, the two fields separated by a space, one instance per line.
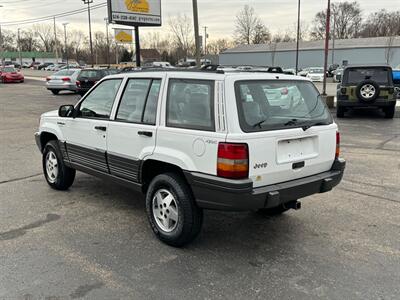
x=48 y=78
x=337 y=154
x=66 y=79
x=233 y=161
x=78 y=83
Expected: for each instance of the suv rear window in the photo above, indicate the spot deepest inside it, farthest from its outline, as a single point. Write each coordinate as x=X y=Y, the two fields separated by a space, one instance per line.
x=91 y=74
x=278 y=104
x=379 y=75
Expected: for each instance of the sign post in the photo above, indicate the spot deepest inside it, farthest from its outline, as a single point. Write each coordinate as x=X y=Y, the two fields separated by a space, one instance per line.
x=135 y=13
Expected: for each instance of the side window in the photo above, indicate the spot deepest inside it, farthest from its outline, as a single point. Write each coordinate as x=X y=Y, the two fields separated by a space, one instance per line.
x=190 y=104
x=139 y=101
x=99 y=102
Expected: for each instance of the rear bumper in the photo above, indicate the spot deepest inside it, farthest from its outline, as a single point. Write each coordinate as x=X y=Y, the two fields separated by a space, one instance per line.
x=212 y=192
x=61 y=87
x=377 y=103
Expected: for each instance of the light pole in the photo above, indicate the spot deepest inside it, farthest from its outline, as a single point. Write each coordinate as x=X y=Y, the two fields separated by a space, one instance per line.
x=1 y=46
x=65 y=42
x=88 y=2
x=19 y=47
x=327 y=33
x=298 y=37
x=108 y=43
x=205 y=40
x=196 y=32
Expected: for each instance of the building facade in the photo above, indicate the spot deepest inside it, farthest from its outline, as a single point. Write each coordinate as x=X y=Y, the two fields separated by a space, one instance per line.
x=354 y=51
x=28 y=57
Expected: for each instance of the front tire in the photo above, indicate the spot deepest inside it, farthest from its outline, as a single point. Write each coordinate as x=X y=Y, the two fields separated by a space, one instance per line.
x=57 y=174
x=171 y=210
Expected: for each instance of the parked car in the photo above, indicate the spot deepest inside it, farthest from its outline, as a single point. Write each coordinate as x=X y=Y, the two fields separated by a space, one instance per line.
x=337 y=75
x=331 y=70
x=196 y=140
x=304 y=72
x=11 y=75
x=88 y=78
x=396 y=81
x=55 y=67
x=367 y=86
x=44 y=65
x=34 y=65
x=316 y=74
x=64 y=80
x=25 y=65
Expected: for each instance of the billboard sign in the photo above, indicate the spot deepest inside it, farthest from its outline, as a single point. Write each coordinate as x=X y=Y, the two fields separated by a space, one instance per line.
x=123 y=36
x=135 y=12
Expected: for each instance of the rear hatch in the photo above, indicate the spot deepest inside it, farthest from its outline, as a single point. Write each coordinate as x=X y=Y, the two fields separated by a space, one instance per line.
x=288 y=137
x=88 y=78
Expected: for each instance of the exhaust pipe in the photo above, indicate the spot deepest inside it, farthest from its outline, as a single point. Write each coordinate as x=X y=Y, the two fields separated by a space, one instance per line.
x=296 y=205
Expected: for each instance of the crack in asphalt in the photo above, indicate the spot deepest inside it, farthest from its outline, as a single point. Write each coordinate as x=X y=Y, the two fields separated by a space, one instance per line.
x=20 y=178
x=368 y=195
x=381 y=145
x=370 y=184
x=15 y=233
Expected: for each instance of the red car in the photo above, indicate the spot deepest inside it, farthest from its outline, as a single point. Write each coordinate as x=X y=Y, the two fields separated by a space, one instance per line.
x=10 y=74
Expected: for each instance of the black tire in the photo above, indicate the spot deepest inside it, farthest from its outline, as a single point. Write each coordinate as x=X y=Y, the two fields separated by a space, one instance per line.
x=190 y=216
x=65 y=175
x=273 y=211
x=369 y=99
x=340 y=111
x=55 y=92
x=389 y=112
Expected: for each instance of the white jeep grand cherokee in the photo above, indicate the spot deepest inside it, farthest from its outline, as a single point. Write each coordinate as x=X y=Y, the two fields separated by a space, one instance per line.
x=197 y=140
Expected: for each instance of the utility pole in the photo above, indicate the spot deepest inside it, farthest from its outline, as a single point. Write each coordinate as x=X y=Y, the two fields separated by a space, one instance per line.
x=88 y=2
x=205 y=40
x=55 y=39
x=298 y=37
x=137 y=47
x=19 y=47
x=66 y=45
x=108 y=43
x=196 y=32
x=327 y=34
x=1 y=48
x=333 y=38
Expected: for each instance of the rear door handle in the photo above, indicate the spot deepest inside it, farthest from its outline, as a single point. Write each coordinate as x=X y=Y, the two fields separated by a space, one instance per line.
x=145 y=133
x=101 y=128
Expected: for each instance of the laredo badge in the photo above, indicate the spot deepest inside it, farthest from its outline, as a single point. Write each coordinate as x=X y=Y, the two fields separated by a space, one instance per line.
x=141 y=6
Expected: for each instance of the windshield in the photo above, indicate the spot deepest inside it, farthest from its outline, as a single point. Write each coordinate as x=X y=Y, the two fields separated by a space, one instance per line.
x=9 y=69
x=316 y=71
x=278 y=104
x=64 y=73
x=380 y=75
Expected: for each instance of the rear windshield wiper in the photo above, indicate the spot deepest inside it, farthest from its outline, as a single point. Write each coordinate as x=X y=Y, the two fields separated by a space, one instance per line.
x=258 y=124
x=305 y=127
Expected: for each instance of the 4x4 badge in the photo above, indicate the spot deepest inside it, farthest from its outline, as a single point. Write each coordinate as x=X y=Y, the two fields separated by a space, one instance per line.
x=261 y=166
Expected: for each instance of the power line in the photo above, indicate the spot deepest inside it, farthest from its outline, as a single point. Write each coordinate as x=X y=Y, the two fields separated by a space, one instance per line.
x=47 y=18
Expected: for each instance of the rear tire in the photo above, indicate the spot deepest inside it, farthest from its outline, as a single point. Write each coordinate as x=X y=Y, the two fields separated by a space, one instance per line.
x=389 y=112
x=55 y=92
x=57 y=174
x=172 y=211
x=340 y=112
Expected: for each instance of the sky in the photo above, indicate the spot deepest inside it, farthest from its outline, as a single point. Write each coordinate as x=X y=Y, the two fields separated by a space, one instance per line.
x=217 y=15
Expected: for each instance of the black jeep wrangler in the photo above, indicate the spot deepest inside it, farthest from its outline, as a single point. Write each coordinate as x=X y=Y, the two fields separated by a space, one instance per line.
x=367 y=86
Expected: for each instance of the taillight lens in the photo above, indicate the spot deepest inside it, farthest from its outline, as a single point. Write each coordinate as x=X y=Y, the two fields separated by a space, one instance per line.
x=337 y=154
x=48 y=78
x=233 y=161
x=66 y=79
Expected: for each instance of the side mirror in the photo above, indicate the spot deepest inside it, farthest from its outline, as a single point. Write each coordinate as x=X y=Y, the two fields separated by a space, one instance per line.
x=66 y=111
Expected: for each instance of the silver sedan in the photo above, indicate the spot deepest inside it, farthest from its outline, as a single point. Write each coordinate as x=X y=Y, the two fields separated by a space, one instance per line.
x=64 y=80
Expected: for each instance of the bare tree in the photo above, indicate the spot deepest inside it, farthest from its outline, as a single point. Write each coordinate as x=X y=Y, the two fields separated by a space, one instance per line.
x=218 y=46
x=381 y=23
x=28 y=41
x=347 y=17
x=389 y=49
x=182 y=34
x=249 y=29
x=46 y=35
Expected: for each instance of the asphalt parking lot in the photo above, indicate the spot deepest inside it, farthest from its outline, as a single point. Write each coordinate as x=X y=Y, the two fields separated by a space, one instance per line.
x=94 y=241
